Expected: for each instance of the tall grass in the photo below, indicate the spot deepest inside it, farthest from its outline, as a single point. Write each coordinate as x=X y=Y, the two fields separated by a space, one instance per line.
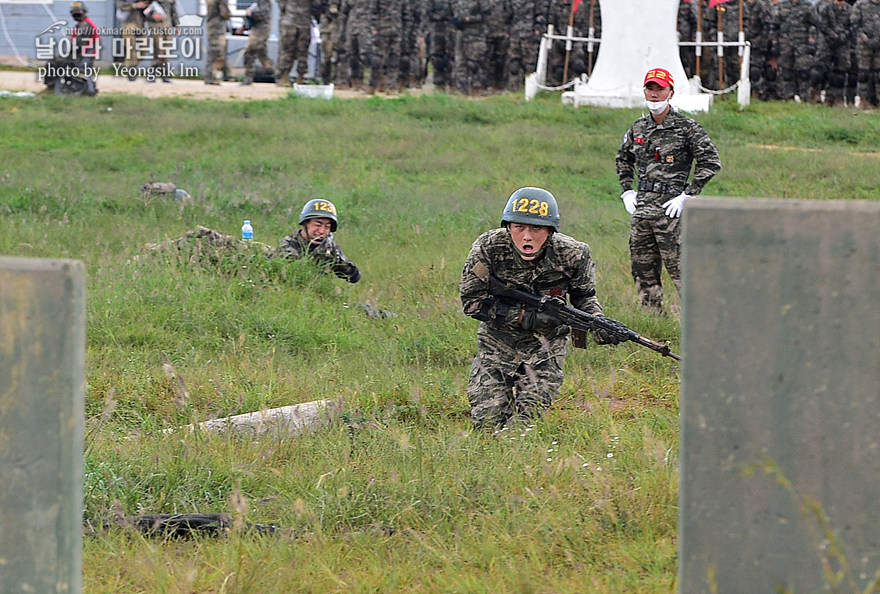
x=398 y=493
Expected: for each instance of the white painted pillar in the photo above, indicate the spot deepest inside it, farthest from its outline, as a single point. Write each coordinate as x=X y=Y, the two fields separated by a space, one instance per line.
x=637 y=35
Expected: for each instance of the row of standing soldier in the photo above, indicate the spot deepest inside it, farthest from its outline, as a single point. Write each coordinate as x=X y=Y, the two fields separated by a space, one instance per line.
x=799 y=50
x=824 y=51
x=472 y=46
x=827 y=50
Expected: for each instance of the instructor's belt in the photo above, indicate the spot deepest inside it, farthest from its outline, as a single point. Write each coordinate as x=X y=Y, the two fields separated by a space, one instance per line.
x=658 y=187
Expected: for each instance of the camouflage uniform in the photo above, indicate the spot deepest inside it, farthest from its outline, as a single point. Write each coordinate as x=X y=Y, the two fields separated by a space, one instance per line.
x=410 y=71
x=329 y=25
x=160 y=39
x=659 y=157
x=470 y=49
x=528 y=24
x=834 y=49
x=498 y=42
x=216 y=15
x=687 y=29
x=757 y=23
x=516 y=373
x=359 y=39
x=386 y=22
x=439 y=35
x=134 y=33
x=865 y=21
x=256 y=49
x=795 y=52
x=294 y=35
x=707 y=70
x=728 y=14
x=326 y=253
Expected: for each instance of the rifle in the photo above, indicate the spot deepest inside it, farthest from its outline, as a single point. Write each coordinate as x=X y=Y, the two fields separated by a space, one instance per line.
x=577 y=319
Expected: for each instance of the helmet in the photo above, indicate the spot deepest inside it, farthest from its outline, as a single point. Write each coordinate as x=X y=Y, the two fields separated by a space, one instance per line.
x=531 y=206
x=319 y=209
x=78 y=6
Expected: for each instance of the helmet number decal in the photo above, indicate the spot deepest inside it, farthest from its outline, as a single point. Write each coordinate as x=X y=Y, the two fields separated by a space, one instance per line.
x=325 y=206
x=538 y=207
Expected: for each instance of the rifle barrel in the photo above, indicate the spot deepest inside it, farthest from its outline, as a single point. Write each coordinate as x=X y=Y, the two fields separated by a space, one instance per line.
x=577 y=319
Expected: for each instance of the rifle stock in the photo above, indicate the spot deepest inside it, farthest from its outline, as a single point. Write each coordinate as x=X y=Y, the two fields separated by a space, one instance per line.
x=577 y=319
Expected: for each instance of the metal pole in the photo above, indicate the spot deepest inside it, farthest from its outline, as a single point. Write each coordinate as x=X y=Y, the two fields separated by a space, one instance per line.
x=569 y=33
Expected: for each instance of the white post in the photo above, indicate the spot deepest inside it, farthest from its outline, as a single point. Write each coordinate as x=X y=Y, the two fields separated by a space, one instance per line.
x=744 y=91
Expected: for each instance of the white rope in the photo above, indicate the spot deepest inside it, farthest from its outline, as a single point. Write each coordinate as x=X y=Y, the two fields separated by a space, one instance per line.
x=559 y=88
x=732 y=87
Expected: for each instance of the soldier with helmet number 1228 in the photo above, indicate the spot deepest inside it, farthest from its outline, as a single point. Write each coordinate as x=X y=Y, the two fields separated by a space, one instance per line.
x=517 y=371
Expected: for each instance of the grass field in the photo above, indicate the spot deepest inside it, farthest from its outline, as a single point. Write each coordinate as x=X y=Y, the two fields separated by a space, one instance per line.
x=399 y=493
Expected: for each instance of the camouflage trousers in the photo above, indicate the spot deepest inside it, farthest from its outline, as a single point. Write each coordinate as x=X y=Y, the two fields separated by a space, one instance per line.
x=441 y=52
x=358 y=46
x=160 y=42
x=868 y=61
x=829 y=72
x=385 y=59
x=470 y=61
x=497 y=397
x=293 y=46
x=794 y=62
x=653 y=243
x=256 y=50
x=522 y=59
x=215 y=59
x=136 y=43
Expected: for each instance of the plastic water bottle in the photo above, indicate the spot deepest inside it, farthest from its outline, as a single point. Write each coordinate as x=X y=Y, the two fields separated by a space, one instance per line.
x=247 y=232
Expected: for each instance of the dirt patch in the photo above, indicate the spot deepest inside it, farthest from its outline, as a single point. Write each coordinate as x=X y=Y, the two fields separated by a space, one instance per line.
x=194 y=89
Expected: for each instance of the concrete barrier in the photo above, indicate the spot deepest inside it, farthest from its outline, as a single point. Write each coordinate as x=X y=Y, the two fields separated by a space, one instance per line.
x=42 y=360
x=780 y=400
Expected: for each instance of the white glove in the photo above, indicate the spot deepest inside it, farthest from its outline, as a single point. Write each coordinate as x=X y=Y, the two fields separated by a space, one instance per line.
x=629 y=200
x=674 y=207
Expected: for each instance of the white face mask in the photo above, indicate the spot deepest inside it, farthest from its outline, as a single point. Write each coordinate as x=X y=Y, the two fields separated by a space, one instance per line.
x=657 y=107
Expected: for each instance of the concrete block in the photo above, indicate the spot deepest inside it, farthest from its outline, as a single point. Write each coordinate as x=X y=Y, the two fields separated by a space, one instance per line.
x=780 y=400
x=42 y=362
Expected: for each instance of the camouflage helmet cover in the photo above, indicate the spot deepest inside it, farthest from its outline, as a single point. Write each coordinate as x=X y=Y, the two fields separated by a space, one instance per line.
x=78 y=6
x=319 y=209
x=531 y=206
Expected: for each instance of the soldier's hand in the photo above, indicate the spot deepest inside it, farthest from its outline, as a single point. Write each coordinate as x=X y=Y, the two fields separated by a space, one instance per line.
x=536 y=321
x=629 y=200
x=603 y=336
x=676 y=205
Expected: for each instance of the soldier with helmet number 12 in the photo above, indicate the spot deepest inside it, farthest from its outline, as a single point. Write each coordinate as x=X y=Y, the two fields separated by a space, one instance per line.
x=314 y=238
x=517 y=371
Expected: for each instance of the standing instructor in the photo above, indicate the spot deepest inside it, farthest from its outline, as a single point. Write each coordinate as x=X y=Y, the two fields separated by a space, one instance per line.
x=658 y=153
